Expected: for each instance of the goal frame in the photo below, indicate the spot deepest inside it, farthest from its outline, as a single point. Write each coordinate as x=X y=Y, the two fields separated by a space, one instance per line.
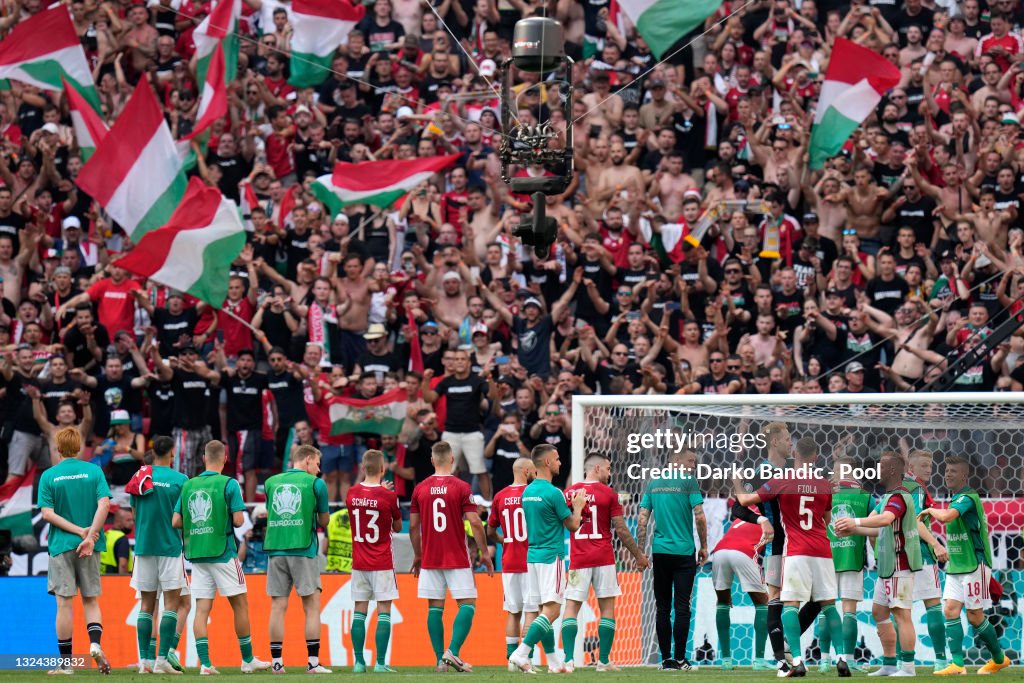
x=580 y=403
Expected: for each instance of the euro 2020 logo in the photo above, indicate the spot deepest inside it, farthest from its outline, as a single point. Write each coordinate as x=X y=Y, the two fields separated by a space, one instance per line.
x=287 y=499
x=842 y=511
x=200 y=506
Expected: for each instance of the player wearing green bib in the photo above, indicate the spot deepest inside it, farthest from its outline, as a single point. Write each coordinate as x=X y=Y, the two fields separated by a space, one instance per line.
x=898 y=555
x=75 y=499
x=296 y=505
x=848 y=557
x=547 y=518
x=208 y=511
x=968 y=571
x=927 y=583
x=159 y=565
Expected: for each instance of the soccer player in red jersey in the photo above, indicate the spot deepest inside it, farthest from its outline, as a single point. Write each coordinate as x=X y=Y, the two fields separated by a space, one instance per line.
x=507 y=513
x=736 y=556
x=592 y=559
x=373 y=514
x=441 y=555
x=808 y=573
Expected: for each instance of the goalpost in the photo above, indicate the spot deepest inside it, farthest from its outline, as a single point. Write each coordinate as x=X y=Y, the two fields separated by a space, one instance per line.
x=984 y=427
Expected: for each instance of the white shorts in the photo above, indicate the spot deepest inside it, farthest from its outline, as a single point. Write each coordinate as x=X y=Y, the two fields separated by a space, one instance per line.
x=896 y=591
x=927 y=584
x=210 y=578
x=808 y=578
x=604 y=580
x=727 y=564
x=546 y=582
x=467 y=448
x=970 y=589
x=434 y=584
x=515 y=588
x=851 y=585
x=154 y=573
x=376 y=585
x=773 y=570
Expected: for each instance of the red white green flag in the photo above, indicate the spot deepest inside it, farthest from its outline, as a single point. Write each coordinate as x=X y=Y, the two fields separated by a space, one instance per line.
x=320 y=26
x=16 y=504
x=378 y=183
x=90 y=129
x=383 y=414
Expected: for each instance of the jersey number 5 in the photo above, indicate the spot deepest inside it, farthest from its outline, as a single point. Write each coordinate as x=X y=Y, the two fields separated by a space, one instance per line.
x=806 y=513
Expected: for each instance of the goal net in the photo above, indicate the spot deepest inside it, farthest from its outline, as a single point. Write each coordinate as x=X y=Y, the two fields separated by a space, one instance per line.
x=983 y=427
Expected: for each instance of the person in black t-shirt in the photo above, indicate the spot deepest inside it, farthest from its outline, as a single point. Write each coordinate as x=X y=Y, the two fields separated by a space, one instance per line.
x=114 y=389
x=381 y=31
x=174 y=324
x=417 y=465
x=717 y=381
x=462 y=428
x=85 y=339
x=245 y=415
x=504 y=448
x=887 y=290
x=191 y=381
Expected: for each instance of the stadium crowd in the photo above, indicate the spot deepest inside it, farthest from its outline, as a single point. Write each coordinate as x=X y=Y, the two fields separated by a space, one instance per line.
x=906 y=251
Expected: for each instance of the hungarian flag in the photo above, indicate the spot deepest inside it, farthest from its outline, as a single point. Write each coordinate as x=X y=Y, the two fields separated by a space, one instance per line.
x=90 y=129
x=16 y=504
x=248 y=203
x=44 y=51
x=320 y=26
x=378 y=183
x=218 y=30
x=383 y=414
x=663 y=22
x=194 y=250
x=667 y=241
x=854 y=84
x=213 y=101
x=136 y=173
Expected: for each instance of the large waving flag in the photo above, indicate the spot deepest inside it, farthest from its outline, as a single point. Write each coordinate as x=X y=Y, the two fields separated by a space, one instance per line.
x=16 y=504
x=213 y=101
x=854 y=84
x=663 y=22
x=378 y=183
x=90 y=129
x=218 y=30
x=44 y=51
x=320 y=27
x=136 y=173
x=194 y=251
x=382 y=414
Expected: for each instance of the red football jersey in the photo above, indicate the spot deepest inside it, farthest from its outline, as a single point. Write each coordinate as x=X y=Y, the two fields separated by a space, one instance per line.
x=803 y=505
x=441 y=500
x=741 y=536
x=507 y=513
x=371 y=511
x=591 y=544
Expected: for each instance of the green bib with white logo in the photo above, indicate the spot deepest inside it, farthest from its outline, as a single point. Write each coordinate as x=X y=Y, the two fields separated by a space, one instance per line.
x=885 y=549
x=204 y=512
x=917 y=494
x=966 y=537
x=848 y=552
x=291 y=511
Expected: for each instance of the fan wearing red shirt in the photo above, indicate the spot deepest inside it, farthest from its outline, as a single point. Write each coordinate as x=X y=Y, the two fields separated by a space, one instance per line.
x=114 y=297
x=507 y=513
x=736 y=556
x=1001 y=44
x=440 y=553
x=374 y=515
x=316 y=390
x=237 y=335
x=592 y=558
x=808 y=574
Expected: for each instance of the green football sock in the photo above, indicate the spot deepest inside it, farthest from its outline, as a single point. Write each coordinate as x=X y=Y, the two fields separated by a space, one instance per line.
x=511 y=643
x=569 y=626
x=203 y=650
x=245 y=646
x=760 y=630
x=151 y=649
x=383 y=636
x=537 y=630
x=358 y=637
x=168 y=622
x=606 y=636
x=835 y=629
x=723 y=625
x=435 y=627
x=987 y=635
x=937 y=630
x=460 y=629
x=144 y=632
x=791 y=629
x=850 y=633
x=955 y=640
x=548 y=642
x=907 y=656
x=889 y=661
x=824 y=638
x=175 y=637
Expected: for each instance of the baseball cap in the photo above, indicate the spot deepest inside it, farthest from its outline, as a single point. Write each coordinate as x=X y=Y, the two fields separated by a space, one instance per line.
x=946 y=255
x=656 y=83
x=71 y=222
x=488 y=68
x=375 y=331
x=855 y=366
x=403 y=112
x=479 y=328
x=62 y=270
x=119 y=417
x=810 y=242
x=832 y=291
x=532 y=301
x=175 y=293
x=810 y=217
x=429 y=325
x=51 y=128
x=302 y=109
x=1009 y=118
x=451 y=275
